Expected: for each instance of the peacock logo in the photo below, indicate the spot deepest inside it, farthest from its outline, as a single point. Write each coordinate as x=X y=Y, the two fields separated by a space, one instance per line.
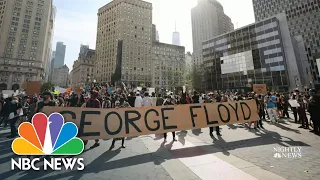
x=47 y=136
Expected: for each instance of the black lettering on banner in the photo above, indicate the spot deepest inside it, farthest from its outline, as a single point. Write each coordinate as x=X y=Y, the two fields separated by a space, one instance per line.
x=235 y=110
x=207 y=117
x=228 y=119
x=131 y=120
x=193 y=115
x=164 y=118
x=83 y=123
x=244 y=116
x=155 y=121
x=106 y=123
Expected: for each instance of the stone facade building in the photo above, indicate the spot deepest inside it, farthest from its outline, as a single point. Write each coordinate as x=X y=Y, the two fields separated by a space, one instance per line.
x=168 y=66
x=24 y=41
x=61 y=76
x=124 y=37
x=82 y=71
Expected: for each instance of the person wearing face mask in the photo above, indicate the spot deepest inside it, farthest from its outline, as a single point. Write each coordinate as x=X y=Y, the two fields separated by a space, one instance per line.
x=46 y=101
x=120 y=103
x=16 y=111
x=93 y=102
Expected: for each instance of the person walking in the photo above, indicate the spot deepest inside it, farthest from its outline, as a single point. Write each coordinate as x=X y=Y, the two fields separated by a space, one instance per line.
x=271 y=102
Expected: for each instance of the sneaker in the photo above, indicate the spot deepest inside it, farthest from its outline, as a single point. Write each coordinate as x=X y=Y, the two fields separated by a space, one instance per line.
x=218 y=134
x=123 y=146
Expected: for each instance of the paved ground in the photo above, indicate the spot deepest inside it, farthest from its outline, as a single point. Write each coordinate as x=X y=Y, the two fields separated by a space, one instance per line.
x=237 y=154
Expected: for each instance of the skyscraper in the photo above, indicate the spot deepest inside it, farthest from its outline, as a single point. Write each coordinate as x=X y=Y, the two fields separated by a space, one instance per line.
x=83 y=50
x=24 y=41
x=303 y=19
x=176 y=37
x=48 y=70
x=126 y=25
x=60 y=55
x=208 y=21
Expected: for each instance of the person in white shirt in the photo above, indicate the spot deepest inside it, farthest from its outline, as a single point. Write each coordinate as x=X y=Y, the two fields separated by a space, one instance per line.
x=138 y=101
x=154 y=99
x=146 y=102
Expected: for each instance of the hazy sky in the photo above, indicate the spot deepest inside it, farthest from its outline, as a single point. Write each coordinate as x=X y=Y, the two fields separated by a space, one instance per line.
x=76 y=21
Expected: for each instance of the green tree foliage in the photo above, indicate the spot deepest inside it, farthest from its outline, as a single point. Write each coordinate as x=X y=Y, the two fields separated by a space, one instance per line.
x=47 y=87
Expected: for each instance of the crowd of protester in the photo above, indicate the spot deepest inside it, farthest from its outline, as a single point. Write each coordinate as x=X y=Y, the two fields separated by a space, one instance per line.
x=272 y=106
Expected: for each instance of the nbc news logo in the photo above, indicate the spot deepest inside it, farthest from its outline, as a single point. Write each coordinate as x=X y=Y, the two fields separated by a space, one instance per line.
x=48 y=136
x=287 y=152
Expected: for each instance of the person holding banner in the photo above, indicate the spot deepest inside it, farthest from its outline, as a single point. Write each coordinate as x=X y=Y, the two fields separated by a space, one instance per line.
x=93 y=102
x=169 y=102
x=121 y=104
x=217 y=99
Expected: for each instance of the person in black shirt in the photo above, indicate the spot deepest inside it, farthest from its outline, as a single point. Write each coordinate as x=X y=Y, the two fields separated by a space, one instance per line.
x=168 y=103
x=6 y=111
x=131 y=99
x=47 y=101
x=16 y=109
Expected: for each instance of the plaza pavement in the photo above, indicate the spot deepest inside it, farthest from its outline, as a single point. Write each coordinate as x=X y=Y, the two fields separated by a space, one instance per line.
x=239 y=153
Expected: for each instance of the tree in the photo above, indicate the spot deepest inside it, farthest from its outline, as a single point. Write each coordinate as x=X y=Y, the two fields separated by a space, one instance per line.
x=197 y=76
x=47 y=87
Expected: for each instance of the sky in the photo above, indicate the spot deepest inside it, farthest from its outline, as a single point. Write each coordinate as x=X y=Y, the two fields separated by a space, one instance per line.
x=76 y=21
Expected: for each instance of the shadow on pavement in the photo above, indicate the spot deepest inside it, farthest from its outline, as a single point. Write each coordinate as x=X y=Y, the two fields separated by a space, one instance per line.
x=196 y=132
x=286 y=128
x=164 y=153
x=231 y=126
x=181 y=137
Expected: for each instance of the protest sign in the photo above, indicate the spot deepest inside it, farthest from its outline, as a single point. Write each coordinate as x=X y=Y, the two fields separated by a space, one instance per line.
x=293 y=103
x=127 y=122
x=260 y=88
x=33 y=87
x=78 y=90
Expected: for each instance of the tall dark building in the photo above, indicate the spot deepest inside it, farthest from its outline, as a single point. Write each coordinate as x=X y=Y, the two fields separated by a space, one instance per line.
x=260 y=53
x=303 y=18
x=60 y=55
x=208 y=21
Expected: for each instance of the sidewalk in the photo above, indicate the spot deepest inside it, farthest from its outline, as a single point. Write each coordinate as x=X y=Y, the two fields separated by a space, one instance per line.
x=237 y=154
